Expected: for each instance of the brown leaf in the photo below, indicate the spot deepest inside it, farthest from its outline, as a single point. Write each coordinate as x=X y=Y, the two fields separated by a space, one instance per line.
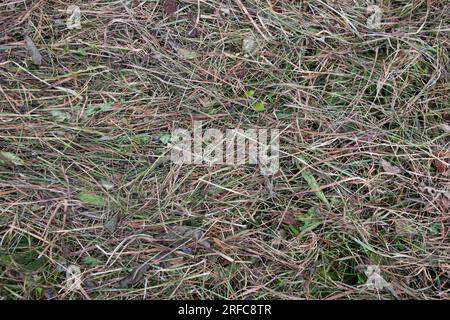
x=175 y=262
x=36 y=57
x=444 y=202
x=222 y=246
x=170 y=7
x=288 y=217
x=14 y=274
x=441 y=166
x=446 y=116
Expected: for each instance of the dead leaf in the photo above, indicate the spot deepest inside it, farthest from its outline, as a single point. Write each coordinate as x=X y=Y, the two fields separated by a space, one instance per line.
x=172 y=262
x=14 y=274
x=444 y=202
x=134 y=277
x=205 y=244
x=222 y=246
x=441 y=166
x=186 y=250
x=90 y=285
x=446 y=116
x=111 y=223
x=288 y=217
x=198 y=236
x=170 y=7
x=389 y=168
x=36 y=57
